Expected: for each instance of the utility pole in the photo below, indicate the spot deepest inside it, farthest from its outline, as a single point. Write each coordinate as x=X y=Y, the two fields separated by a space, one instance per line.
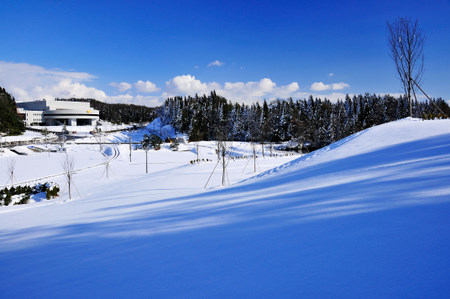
x=146 y=145
x=129 y=141
x=45 y=133
x=198 y=156
x=146 y=161
x=254 y=157
x=223 y=163
x=218 y=150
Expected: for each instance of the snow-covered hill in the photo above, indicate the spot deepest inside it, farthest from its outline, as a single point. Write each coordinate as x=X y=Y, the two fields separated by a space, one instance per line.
x=364 y=217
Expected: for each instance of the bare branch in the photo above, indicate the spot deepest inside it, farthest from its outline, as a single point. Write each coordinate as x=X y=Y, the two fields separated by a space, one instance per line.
x=406 y=42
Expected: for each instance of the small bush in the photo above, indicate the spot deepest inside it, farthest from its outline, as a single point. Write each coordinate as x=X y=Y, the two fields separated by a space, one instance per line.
x=25 y=199
x=52 y=192
x=7 y=200
x=22 y=194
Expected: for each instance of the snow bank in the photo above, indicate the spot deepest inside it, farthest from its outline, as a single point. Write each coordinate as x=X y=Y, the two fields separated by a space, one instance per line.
x=164 y=131
x=364 y=217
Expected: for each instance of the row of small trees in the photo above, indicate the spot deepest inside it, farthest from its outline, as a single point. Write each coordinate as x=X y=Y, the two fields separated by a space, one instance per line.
x=24 y=193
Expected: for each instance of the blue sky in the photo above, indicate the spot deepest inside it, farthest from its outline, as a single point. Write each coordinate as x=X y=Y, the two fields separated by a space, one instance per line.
x=143 y=51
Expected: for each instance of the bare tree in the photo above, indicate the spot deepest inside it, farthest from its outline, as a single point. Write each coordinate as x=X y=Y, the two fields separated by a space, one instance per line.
x=98 y=135
x=107 y=167
x=11 y=170
x=68 y=166
x=223 y=151
x=406 y=42
x=254 y=156
x=223 y=131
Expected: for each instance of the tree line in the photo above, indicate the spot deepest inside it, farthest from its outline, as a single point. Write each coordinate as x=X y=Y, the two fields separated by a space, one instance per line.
x=313 y=121
x=123 y=113
x=119 y=113
x=10 y=122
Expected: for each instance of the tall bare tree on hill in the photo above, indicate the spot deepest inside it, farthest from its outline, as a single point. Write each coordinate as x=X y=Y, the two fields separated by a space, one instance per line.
x=406 y=42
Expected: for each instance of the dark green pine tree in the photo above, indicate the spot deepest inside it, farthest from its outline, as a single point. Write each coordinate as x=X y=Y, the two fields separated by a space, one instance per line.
x=10 y=122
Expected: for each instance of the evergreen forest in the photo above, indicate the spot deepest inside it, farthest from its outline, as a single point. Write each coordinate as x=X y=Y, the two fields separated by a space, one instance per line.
x=311 y=122
x=315 y=122
x=123 y=113
x=119 y=113
x=10 y=122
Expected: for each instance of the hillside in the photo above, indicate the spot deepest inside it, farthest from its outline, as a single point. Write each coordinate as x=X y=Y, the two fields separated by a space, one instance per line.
x=364 y=217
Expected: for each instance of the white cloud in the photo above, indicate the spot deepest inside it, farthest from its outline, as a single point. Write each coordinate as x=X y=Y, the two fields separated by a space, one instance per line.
x=31 y=82
x=66 y=88
x=320 y=86
x=35 y=73
x=216 y=63
x=284 y=92
x=122 y=86
x=148 y=101
x=330 y=74
x=146 y=86
x=247 y=92
x=188 y=85
x=28 y=82
x=339 y=86
x=291 y=87
x=250 y=89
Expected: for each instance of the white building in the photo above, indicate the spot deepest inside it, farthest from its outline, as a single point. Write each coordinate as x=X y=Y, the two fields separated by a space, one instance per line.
x=54 y=113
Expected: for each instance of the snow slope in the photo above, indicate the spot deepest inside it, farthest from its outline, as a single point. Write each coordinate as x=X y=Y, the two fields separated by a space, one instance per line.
x=364 y=217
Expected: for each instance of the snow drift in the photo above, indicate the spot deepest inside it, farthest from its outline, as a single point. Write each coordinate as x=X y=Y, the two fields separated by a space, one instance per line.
x=364 y=217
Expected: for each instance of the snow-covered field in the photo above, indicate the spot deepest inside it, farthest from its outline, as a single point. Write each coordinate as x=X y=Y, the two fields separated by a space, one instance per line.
x=365 y=217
